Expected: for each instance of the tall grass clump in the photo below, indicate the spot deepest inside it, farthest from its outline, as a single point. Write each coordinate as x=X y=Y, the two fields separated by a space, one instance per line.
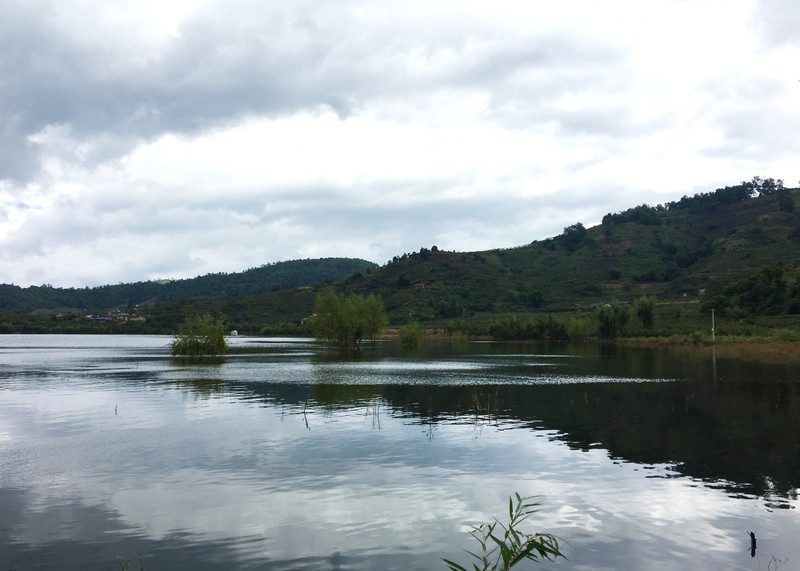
x=503 y=546
x=458 y=337
x=200 y=337
x=579 y=328
x=411 y=335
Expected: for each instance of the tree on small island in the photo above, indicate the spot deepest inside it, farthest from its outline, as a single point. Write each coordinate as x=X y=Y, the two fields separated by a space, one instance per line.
x=343 y=321
x=200 y=337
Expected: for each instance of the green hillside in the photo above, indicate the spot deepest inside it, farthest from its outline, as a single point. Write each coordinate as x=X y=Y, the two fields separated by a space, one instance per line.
x=255 y=281
x=689 y=251
x=720 y=249
x=671 y=252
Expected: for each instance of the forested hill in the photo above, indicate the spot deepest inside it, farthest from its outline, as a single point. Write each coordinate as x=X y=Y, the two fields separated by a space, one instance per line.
x=690 y=249
x=255 y=281
x=736 y=249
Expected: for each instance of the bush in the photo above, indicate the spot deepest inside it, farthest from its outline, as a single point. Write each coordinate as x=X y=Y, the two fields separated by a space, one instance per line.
x=412 y=335
x=695 y=337
x=578 y=329
x=200 y=337
x=611 y=320
x=785 y=336
x=644 y=310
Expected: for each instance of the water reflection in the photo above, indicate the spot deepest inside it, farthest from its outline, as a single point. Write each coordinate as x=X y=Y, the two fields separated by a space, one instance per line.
x=704 y=435
x=286 y=457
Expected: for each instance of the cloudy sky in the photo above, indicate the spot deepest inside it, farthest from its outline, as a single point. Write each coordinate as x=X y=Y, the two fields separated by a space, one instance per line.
x=147 y=139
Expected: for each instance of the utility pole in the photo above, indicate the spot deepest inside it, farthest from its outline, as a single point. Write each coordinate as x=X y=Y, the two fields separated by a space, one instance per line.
x=712 y=324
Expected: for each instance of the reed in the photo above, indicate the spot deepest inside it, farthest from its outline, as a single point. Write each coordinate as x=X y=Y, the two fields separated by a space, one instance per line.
x=503 y=546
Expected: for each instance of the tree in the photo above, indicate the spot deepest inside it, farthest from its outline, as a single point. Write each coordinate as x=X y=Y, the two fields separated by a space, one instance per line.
x=343 y=321
x=785 y=200
x=611 y=320
x=573 y=236
x=200 y=337
x=644 y=310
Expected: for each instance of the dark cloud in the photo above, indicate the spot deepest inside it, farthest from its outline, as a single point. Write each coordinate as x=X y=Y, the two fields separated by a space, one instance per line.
x=242 y=59
x=228 y=64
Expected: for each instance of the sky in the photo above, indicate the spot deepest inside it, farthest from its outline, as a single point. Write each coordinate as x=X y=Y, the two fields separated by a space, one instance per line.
x=155 y=139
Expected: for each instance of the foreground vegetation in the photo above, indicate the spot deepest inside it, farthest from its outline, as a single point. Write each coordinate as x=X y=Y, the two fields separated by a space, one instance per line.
x=504 y=545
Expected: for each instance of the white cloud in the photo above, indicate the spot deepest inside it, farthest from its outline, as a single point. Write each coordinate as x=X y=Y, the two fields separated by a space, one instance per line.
x=205 y=136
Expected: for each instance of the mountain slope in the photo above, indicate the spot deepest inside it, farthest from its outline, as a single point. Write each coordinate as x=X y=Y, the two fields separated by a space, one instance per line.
x=255 y=281
x=672 y=252
x=688 y=250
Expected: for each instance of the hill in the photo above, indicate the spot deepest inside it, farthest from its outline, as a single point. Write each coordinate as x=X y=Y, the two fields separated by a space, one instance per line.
x=687 y=249
x=690 y=250
x=721 y=249
x=255 y=281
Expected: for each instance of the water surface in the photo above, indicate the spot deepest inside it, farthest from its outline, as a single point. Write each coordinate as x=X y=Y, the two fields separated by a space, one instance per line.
x=285 y=457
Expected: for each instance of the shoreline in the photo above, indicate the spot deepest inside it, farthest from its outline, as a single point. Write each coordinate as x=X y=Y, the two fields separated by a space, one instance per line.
x=774 y=352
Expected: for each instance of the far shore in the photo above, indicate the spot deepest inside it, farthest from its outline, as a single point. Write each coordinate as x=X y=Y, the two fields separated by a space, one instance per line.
x=755 y=350
x=748 y=350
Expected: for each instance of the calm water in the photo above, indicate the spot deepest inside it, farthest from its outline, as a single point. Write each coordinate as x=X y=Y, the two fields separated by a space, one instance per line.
x=284 y=457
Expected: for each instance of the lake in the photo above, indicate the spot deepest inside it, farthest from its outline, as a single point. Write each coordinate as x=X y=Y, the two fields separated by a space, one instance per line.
x=286 y=457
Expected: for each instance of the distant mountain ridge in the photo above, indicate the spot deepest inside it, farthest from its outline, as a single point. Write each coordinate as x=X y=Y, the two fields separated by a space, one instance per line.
x=255 y=281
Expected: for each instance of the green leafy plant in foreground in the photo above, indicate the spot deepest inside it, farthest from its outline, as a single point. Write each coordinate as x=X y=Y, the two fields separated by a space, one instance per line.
x=503 y=546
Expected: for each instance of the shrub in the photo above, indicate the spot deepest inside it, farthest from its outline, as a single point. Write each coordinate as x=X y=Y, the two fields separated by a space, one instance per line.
x=578 y=329
x=695 y=338
x=411 y=335
x=785 y=335
x=644 y=310
x=611 y=320
x=200 y=337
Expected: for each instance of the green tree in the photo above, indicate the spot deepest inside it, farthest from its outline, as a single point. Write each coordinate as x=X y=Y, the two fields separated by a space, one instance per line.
x=785 y=200
x=373 y=316
x=573 y=236
x=343 y=321
x=200 y=337
x=644 y=309
x=611 y=320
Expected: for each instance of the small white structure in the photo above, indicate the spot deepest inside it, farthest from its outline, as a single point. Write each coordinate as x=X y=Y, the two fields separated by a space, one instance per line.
x=234 y=333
